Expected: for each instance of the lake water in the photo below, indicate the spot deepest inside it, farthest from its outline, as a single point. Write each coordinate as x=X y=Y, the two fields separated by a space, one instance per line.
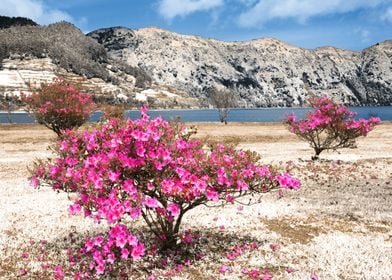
x=211 y=115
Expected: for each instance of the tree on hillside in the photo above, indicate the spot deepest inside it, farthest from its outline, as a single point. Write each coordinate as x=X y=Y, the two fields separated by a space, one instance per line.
x=6 y=22
x=9 y=103
x=223 y=100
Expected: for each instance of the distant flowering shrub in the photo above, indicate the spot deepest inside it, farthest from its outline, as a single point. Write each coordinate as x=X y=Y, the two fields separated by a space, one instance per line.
x=329 y=126
x=60 y=106
x=152 y=169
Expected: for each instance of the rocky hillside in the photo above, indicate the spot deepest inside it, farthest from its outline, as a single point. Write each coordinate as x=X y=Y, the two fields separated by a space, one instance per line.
x=167 y=69
x=262 y=72
x=31 y=55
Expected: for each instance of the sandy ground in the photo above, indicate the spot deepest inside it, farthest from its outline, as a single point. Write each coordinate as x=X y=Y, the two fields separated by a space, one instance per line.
x=339 y=225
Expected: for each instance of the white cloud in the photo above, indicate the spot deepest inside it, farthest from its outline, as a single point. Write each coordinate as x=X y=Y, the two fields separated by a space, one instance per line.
x=170 y=9
x=33 y=9
x=300 y=10
x=387 y=16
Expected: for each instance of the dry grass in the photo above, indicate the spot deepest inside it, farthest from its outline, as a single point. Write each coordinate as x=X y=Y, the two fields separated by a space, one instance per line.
x=337 y=225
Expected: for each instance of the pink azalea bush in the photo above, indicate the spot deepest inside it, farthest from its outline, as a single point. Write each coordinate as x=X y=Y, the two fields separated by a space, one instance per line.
x=329 y=126
x=149 y=169
x=60 y=105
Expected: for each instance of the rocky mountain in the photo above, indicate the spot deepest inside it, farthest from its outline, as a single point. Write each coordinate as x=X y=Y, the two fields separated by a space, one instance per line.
x=31 y=55
x=261 y=72
x=167 y=69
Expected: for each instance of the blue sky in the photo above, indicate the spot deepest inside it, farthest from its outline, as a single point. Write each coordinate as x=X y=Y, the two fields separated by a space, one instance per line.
x=349 y=24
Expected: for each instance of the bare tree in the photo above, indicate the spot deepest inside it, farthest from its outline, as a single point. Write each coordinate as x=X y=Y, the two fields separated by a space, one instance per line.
x=8 y=103
x=223 y=100
x=10 y=107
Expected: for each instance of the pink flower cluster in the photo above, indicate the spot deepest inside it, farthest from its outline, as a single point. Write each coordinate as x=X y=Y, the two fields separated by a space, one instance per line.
x=329 y=126
x=362 y=125
x=240 y=250
x=152 y=169
x=60 y=105
x=119 y=245
x=287 y=181
x=329 y=115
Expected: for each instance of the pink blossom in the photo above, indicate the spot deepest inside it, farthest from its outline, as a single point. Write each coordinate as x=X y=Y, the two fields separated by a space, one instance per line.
x=151 y=202
x=74 y=209
x=114 y=175
x=98 y=240
x=132 y=240
x=187 y=238
x=212 y=195
x=182 y=144
x=274 y=247
x=89 y=245
x=124 y=253
x=290 y=270
x=223 y=269
x=24 y=255
x=229 y=198
x=140 y=150
x=110 y=258
x=23 y=272
x=287 y=181
x=254 y=273
x=34 y=181
x=58 y=272
x=137 y=251
x=135 y=212
x=129 y=187
x=174 y=209
x=121 y=240
x=231 y=256
x=242 y=186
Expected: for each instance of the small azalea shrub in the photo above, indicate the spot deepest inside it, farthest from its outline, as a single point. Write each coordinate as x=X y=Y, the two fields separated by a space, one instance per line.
x=149 y=169
x=329 y=126
x=60 y=105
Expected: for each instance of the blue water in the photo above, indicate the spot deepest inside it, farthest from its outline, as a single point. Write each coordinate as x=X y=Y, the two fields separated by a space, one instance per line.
x=211 y=115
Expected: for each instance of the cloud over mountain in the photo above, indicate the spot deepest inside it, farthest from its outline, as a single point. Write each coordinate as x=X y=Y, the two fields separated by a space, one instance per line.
x=36 y=10
x=170 y=9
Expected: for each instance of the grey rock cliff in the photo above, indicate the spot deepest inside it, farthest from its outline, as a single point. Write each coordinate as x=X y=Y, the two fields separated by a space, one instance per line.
x=262 y=72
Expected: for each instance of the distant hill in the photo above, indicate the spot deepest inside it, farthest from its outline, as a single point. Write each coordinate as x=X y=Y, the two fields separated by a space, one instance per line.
x=167 y=69
x=35 y=54
x=6 y=22
x=261 y=72
x=66 y=45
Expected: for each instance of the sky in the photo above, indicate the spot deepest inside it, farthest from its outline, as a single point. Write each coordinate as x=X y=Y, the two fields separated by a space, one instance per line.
x=348 y=24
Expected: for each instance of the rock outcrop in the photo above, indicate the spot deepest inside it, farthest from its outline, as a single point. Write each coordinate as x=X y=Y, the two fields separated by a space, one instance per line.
x=262 y=72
